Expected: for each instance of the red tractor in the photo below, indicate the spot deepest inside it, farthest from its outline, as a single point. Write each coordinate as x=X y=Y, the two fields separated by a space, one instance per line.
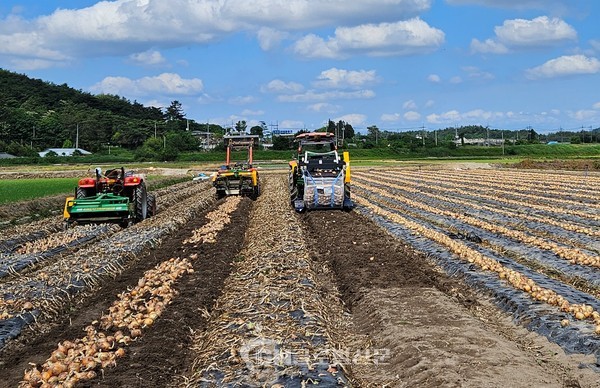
x=115 y=196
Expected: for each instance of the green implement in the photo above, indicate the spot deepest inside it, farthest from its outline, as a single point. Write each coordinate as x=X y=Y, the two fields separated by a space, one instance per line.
x=105 y=207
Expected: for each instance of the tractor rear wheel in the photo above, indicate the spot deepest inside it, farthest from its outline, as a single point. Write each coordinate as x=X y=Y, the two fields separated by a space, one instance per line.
x=140 y=199
x=151 y=205
x=255 y=193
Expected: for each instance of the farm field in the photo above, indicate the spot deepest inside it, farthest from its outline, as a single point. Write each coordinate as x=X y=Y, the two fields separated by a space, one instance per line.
x=440 y=277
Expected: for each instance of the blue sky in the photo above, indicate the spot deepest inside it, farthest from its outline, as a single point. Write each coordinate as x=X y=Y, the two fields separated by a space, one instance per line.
x=397 y=64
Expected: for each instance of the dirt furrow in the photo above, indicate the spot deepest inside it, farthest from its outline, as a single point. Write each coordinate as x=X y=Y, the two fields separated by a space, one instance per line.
x=279 y=319
x=432 y=329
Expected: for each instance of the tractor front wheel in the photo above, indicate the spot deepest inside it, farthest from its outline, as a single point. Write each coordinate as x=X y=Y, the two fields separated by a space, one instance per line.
x=140 y=199
x=82 y=192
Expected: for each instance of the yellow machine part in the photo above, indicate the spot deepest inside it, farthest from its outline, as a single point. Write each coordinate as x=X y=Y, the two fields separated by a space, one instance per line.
x=347 y=160
x=68 y=203
x=230 y=174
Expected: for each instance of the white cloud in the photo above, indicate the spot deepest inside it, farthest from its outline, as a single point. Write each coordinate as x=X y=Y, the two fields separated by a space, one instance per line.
x=269 y=38
x=31 y=64
x=434 y=78
x=476 y=74
x=229 y=122
x=293 y=124
x=409 y=105
x=30 y=46
x=324 y=107
x=206 y=98
x=391 y=117
x=584 y=115
x=565 y=66
x=339 y=78
x=429 y=103
x=385 y=39
x=596 y=105
x=279 y=86
x=412 y=116
x=148 y=58
x=490 y=46
x=557 y=5
x=538 y=32
x=354 y=119
x=157 y=104
x=456 y=80
x=128 y=26
x=476 y=116
x=242 y=100
x=163 y=84
x=248 y=112
x=311 y=95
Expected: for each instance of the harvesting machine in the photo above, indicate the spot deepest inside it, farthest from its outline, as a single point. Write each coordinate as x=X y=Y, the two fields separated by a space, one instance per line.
x=117 y=196
x=319 y=178
x=239 y=178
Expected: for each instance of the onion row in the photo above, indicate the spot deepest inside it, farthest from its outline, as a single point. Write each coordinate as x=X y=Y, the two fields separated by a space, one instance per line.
x=133 y=311
x=475 y=205
x=573 y=255
x=516 y=279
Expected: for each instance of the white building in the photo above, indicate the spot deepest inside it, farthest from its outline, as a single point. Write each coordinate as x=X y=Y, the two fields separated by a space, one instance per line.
x=64 y=151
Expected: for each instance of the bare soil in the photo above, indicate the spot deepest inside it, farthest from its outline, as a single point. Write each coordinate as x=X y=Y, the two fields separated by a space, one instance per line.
x=164 y=351
x=572 y=164
x=432 y=330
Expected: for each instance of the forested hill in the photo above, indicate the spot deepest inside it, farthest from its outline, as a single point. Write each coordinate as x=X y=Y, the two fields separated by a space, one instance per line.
x=40 y=114
x=18 y=90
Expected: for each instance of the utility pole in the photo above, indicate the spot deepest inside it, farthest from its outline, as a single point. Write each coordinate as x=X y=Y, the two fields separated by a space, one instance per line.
x=77 y=137
x=435 y=135
x=155 y=129
x=561 y=134
x=423 y=134
x=502 y=142
x=207 y=135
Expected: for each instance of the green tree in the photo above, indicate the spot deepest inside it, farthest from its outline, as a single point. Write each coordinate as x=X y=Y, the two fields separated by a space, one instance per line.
x=256 y=130
x=151 y=150
x=259 y=129
x=241 y=126
x=175 y=111
x=182 y=141
x=532 y=136
x=348 y=131
x=374 y=134
x=282 y=143
x=17 y=149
